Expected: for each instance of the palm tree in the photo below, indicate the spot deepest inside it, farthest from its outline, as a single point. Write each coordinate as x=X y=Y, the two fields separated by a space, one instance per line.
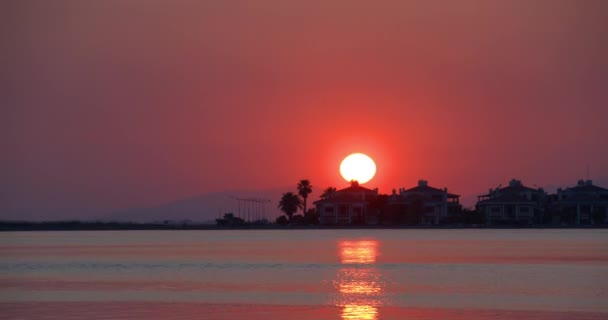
x=290 y=203
x=304 y=189
x=328 y=193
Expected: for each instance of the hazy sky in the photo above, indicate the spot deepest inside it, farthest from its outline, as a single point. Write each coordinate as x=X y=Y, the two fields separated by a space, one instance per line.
x=116 y=104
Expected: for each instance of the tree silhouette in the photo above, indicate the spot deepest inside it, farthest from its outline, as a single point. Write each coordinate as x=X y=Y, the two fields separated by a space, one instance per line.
x=311 y=217
x=328 y=193
x=304 y=189
x=282 y=220
x=289 y=204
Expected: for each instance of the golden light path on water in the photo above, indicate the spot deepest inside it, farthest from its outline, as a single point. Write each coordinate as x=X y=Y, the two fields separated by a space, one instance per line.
x=358 y=283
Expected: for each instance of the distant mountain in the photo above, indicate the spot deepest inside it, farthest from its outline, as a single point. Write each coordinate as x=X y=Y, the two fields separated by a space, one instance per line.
x=208 y=207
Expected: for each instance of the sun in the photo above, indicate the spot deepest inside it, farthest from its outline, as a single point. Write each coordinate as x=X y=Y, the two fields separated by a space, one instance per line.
x=359 y=167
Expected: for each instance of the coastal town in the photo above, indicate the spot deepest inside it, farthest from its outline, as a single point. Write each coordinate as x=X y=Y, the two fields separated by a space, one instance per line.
x=516 y=205
x=583 y=204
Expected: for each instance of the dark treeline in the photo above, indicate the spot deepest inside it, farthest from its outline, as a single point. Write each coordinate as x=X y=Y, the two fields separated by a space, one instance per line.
x=473 y=221
x=94 y=225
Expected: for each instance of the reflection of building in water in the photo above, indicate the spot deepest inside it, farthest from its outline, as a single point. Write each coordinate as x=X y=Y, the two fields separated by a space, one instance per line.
x=359 y=285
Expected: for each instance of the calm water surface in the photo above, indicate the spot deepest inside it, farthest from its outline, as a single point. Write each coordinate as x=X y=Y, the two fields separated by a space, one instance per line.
x=305 y=274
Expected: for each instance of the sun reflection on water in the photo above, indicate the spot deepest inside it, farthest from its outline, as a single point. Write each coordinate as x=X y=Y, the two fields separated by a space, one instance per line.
x=363 y=252
x=359 y=312
x=359 y=287
x=359 y=284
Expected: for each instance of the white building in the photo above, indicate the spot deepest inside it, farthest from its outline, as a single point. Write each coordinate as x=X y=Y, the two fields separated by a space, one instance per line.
x=587 y=203
x=435 y=204
x=348 y=206
x=515 y=203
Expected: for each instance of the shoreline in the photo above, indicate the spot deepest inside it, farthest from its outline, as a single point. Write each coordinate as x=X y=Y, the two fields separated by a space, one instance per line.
x=189 y=310
x=113 y=226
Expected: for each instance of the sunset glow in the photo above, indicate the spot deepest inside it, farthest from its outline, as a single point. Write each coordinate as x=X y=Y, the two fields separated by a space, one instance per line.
x=359 y=167
x=304 y=160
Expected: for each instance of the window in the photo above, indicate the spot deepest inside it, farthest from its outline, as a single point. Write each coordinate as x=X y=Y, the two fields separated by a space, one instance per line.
x=329 y=209
x=357 y=212
x=343 y=210
x=496 y=212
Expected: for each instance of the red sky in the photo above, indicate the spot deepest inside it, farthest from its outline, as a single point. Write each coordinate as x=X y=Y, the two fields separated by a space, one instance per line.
x=117 y=104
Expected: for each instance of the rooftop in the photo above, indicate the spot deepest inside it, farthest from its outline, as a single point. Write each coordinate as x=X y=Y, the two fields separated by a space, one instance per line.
x=423 y=187
x=355 y=187
x=352 y=193
x=515 y=187
x=585 y=187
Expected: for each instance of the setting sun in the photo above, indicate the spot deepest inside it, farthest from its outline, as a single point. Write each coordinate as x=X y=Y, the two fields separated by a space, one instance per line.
x=359 y=167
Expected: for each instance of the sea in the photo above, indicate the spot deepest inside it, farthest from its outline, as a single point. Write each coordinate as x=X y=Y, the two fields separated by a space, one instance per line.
x=305 y=274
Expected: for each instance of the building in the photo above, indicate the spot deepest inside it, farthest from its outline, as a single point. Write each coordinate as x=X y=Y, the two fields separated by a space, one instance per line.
x=583 y=204
x=348 y=206
x=422 y=204
x=513 y=204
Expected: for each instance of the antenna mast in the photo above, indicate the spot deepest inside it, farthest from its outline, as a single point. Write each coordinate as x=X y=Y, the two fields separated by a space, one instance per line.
x=253 y=208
